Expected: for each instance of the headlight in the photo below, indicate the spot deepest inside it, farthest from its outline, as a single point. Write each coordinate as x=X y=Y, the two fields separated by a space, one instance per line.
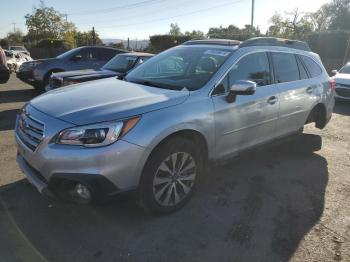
x=29 y=65
x=96 y=135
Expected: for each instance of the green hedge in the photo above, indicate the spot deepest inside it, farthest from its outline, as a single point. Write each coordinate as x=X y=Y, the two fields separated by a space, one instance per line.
x=160 y=43
x=331 y=46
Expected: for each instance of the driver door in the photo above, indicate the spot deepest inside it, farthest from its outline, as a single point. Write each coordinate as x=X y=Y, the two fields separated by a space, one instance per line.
x=250 y=119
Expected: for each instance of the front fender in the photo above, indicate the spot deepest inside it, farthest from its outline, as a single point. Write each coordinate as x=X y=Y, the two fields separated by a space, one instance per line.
x=157 y=125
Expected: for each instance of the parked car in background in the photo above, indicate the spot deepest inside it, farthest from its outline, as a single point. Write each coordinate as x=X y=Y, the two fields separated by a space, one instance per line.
x=37 y=72
x=16 y=59
x=203 y=101
x=342 y=80
x=19 y=49
x=117 y=66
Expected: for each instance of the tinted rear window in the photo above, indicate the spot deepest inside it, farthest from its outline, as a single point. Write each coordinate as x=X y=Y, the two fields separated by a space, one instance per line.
x=106 y=54
x=285 y=67
x=313 y=68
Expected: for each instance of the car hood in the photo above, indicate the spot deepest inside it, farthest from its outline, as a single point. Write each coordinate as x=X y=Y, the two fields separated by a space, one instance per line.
x=105 y=100
x=74 y=73
x=46 y=60
x=342 y=78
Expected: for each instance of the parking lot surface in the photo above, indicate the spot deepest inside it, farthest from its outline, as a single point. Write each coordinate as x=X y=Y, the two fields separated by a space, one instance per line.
x=279 y=203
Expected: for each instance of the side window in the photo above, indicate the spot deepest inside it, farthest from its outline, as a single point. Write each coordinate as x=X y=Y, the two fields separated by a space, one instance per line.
x=87 y=54
x=254 y=67
x=302 y=70
x=313 y=68
x=285 y=67
x=105 y=54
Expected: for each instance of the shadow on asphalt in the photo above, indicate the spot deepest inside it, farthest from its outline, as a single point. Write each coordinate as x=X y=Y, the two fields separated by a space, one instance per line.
x=257 y=207
x=21 y=95
x=8 y=119
x=342 y=107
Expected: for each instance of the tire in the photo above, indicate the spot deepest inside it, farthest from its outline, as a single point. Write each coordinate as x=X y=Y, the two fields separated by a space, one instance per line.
x=164 y=189
x=39 y=88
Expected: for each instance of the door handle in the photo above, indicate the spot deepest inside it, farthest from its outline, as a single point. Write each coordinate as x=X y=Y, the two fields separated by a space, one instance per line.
x=272 y=100
x=309 y=90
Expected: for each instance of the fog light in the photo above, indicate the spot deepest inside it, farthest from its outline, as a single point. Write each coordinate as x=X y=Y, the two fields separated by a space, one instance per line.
x=82 y=192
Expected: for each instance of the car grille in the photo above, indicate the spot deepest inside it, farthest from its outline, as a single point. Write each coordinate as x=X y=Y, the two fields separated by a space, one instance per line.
x=55 y=82
x=30 y=130
x=343 y=92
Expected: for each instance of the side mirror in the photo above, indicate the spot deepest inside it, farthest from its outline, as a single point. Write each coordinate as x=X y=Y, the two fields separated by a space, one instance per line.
x=334 y=71
x=241 y=87
x=76 y=58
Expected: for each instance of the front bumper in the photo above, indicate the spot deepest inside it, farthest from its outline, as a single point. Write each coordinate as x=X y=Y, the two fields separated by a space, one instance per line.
x=28 y=77
x=108 y=170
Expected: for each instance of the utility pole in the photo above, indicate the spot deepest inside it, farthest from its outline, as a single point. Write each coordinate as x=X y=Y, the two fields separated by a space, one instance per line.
x=252 y=17
x=128 y=44
x=14 y=27
x=346 y=52
x=93 y=36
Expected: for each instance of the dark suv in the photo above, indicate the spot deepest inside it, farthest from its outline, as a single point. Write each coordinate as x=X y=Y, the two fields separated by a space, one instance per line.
x=37 y=72
x=119 y=66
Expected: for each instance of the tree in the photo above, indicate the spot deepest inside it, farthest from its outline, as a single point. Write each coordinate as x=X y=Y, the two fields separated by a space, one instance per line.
x=320 y=18
x=294 y=25
x=85 y=38
x=15 y=37
x=197 y=34
x=47 y=23
x=233 y=32
x=174 y=29
x=4 y=43
x=339 y=14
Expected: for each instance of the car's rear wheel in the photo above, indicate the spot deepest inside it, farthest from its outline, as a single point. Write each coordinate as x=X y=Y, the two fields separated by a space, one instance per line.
x=170 y=176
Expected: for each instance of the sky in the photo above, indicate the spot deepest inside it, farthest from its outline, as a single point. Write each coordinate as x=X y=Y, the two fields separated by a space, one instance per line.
x=138 y=19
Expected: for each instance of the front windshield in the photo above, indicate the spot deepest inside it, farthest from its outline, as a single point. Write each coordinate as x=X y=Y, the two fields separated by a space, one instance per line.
x=345 y=70
x=121 y=63
x=188 y=67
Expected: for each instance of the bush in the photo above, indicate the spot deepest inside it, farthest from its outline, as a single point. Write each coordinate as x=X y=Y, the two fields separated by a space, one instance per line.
x=159 y=43
x=331 y=46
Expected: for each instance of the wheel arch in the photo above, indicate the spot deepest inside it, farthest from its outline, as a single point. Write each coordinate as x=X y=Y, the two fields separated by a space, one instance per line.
x=192 y=134
x=318 y=115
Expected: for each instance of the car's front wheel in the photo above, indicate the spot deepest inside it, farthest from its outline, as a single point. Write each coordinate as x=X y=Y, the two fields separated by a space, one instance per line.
x=170 y=176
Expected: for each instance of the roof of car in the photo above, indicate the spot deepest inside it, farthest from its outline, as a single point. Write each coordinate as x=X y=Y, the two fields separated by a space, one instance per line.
x=103 y=47
x=225 y=42
x=138 y=54
x=255 y=41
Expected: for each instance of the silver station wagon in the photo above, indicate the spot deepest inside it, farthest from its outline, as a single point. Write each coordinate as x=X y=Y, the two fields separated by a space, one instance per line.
x=154 y=130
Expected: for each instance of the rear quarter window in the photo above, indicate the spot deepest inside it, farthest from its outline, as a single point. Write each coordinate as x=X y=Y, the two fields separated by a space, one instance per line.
x=106 y=54
x=313 y=68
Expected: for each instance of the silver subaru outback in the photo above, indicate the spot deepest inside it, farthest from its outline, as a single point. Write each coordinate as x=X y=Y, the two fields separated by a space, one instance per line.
x=154 y=130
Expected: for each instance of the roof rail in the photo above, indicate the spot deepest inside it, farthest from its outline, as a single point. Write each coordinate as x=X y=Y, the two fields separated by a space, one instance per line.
x=226 y=42
x=274 y=41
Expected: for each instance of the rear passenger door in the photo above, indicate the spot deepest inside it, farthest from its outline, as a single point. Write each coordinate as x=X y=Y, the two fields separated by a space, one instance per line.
x=88 y=59
x=251 y=119
x=295 y=91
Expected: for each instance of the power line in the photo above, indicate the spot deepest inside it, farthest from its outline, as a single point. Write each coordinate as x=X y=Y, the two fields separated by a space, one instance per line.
x=178 y=5
x=107 y=10
x=176 y=16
